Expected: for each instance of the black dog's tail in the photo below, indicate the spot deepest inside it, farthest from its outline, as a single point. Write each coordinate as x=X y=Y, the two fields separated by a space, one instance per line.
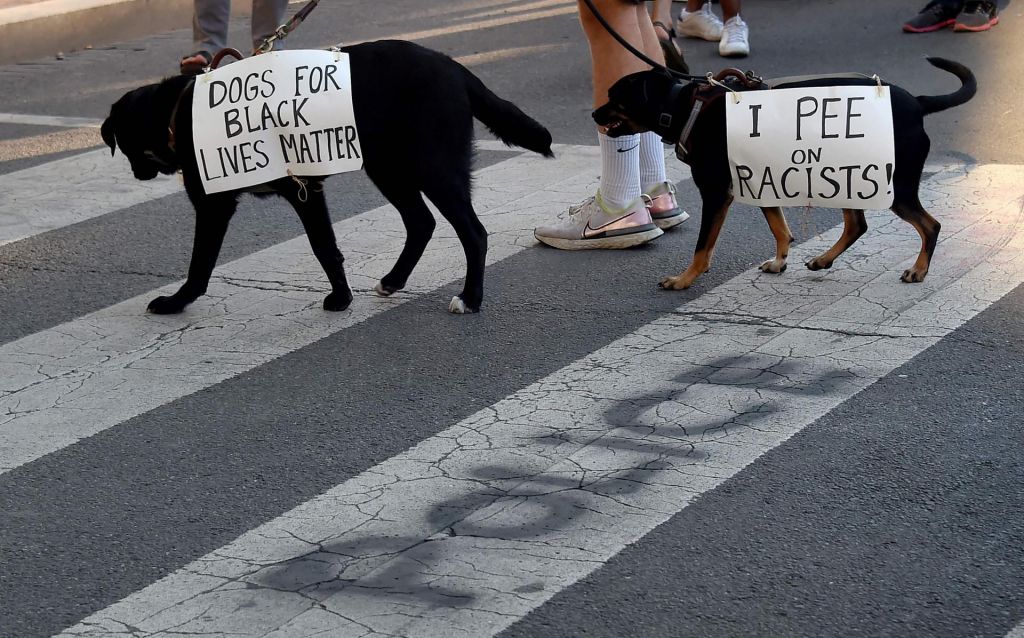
x=505 y=119
x=968 y=87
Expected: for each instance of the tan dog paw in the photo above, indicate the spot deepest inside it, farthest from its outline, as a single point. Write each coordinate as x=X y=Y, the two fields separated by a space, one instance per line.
x=913 y=275
x=679 y=282
x=775 y=266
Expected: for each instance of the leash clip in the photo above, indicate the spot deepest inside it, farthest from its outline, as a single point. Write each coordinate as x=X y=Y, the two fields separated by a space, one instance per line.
x=714 y=82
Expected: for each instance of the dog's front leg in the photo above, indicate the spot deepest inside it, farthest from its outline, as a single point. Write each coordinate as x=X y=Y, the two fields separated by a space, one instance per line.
x=783 y=238
x=713 y=212
x=311 y=206
x=213 y=214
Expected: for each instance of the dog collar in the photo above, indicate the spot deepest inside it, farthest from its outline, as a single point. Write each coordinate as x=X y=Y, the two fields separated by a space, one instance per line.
x=174 y=115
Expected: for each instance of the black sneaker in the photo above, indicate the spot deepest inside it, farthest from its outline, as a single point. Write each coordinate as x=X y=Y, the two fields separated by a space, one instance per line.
x=977 y=16
x=936 y=15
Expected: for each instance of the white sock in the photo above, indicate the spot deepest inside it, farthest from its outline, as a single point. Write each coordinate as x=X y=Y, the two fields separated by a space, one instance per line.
x=620 y=170
x=652 y=161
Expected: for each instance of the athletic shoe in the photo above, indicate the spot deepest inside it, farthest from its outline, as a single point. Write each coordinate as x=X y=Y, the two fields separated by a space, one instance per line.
x=734 y=43
x=591 y=225
x=661 y=204
x=702 y=23
x=977 y=16
x=937 y=14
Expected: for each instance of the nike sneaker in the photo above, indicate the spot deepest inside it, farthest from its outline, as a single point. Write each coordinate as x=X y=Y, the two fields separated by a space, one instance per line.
x=592 y=225
x=661 y=203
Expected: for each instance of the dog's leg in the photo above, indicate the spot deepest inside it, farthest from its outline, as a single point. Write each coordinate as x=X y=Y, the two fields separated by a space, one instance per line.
x=454 y=203
x=419 y=228
x=713 y=212
x=316 y=220
x=783 y=238
x=213 y=213
x=854 y=225
x=928 y=228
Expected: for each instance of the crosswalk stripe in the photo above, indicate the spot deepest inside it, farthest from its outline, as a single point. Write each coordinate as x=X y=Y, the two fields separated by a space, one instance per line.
x=91 y=184
x=1016 y=632
x=79 y=378
x=470 y=529
x=49 y=120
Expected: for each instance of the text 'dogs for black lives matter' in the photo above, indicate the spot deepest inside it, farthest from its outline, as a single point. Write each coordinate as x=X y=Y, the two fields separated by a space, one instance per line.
x=272 y=115
x=813 y=146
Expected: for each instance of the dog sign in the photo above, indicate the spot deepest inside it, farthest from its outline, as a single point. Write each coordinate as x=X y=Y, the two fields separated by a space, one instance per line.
x=272 y=115
x=813 y=146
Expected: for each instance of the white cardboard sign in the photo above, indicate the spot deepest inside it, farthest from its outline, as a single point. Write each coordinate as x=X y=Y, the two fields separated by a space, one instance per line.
x=259 y=118
x=814 y=146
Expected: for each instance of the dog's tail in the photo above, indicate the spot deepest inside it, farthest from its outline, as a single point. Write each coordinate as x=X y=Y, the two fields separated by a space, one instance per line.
x=505 y=119
x=968 y=87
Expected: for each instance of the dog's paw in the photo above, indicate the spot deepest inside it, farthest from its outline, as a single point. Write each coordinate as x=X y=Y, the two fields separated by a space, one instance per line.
x=775 y=266
x=818 y=264
x=166 y=306
x=675 y=283
x=459 y=307
x=337 y=301
x=384 y=291
x=912 y=276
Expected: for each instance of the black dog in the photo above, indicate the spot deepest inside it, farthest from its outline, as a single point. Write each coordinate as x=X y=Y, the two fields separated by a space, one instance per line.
x=653 y=101
x=414 y=111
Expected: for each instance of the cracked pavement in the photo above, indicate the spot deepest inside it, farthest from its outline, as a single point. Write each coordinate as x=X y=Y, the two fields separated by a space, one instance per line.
x=470 y=529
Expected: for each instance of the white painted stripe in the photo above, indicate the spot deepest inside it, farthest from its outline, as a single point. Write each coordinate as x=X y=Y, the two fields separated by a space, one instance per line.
x=1016 y=632
x=91 y=185
x=70 y=382
x=71 y=190
x=49 y=120
x=469 y=530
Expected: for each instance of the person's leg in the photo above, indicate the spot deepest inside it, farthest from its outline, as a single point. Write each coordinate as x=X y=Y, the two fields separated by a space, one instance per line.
x=661 y=13
x=267 y=16
x=659 y=193
x=661 y=18
x=735 y=40
x=210 y=24
x=209 y=33
x=616 y=217
x=697 y=21
x=620 y=177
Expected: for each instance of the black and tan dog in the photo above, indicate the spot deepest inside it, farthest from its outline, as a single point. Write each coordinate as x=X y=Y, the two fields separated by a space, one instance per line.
x=654 y=101
x=414 y=111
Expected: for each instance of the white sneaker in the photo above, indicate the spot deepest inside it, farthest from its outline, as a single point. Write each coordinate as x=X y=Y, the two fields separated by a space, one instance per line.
x=702 y=23
x=591 y=225
x=734 y=42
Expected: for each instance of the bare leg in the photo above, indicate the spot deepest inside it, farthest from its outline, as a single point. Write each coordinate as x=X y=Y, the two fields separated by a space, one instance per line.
x=609 y=61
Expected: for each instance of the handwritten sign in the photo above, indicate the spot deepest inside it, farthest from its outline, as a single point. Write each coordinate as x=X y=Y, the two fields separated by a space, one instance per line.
x=259 y=118
x=814 y=146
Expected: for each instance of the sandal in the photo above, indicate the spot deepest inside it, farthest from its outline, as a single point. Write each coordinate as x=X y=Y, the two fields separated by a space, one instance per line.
x=194 y=63
x=673 y=56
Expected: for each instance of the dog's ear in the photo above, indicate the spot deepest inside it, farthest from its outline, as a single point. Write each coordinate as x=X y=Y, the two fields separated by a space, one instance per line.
x=107 y=133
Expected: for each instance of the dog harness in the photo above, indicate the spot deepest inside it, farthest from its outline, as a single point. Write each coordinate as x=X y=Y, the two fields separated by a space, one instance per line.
x=706 y=93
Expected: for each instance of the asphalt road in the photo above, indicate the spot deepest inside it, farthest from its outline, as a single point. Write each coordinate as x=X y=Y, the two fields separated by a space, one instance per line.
x=830 y=454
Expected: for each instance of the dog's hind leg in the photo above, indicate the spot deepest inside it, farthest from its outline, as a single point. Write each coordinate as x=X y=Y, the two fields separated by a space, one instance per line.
x=713 y=212
x=854 y=225
x=453 y=200
x=783 y=239
x=928 y=228
x=316 y=220
x=213 y=214
x=419 y=228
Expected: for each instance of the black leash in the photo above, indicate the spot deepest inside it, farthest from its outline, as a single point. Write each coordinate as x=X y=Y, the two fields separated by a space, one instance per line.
x=629 y=47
